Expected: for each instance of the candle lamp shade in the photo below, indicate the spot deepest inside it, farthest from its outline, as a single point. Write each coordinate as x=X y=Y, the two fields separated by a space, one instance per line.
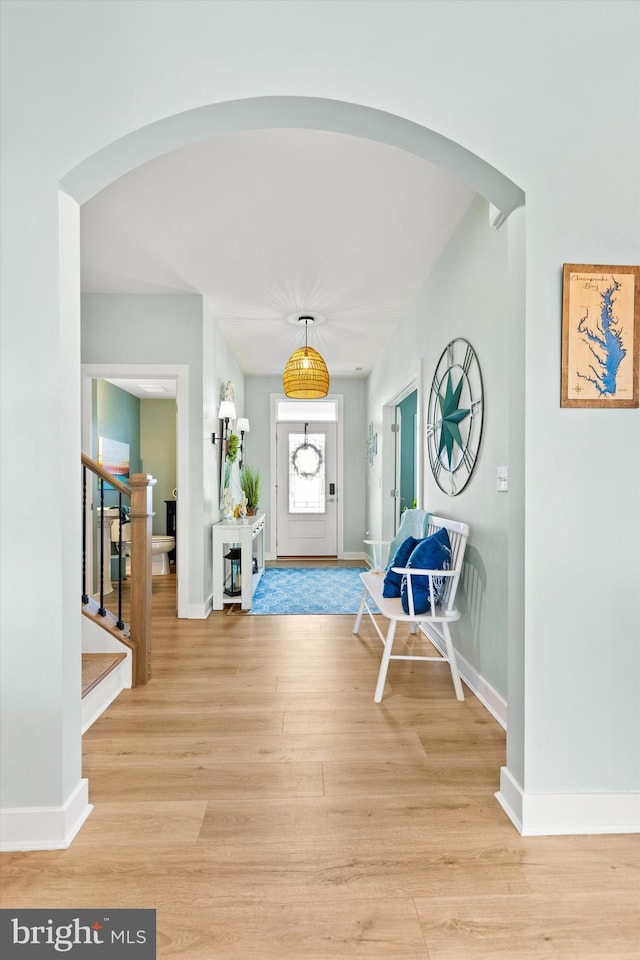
x=227 y=410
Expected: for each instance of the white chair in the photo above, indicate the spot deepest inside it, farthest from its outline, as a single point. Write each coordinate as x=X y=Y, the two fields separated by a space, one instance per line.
x=413 y=523
x=435 y=623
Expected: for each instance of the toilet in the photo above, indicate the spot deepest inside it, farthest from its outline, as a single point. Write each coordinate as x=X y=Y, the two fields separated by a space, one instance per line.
x=161 y=547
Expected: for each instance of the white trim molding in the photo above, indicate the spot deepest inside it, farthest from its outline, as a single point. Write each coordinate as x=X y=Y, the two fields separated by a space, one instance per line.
x=179 y=372
x=271 y=548
x=200 y=611
x=389 y=480
x=509 y=797
x=557 y=814
x=47 y=828
x=488 y=697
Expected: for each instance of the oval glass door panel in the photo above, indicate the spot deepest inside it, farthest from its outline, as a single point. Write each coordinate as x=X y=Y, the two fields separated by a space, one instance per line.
x=307 y=472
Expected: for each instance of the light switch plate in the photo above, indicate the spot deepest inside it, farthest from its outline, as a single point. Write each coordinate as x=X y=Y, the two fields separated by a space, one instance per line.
x=503 y=479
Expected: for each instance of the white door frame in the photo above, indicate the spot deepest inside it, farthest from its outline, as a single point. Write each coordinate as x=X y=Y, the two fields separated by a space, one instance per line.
x=388 y=450
x=273 y=505
x=150 y=371
x=289 y=539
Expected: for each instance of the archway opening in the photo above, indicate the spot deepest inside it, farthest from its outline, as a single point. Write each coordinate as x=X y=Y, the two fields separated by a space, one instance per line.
x=117 y=159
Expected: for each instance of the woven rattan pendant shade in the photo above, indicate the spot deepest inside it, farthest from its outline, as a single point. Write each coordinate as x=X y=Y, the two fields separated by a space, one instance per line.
x=305 y=376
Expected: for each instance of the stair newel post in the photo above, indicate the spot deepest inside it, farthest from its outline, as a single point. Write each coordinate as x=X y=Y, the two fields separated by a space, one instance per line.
x=141 y=485
x=102 y=610
x=85 y=595
x=120 y=621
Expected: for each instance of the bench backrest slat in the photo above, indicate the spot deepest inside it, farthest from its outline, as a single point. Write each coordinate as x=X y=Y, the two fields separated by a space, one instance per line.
x=458 y=535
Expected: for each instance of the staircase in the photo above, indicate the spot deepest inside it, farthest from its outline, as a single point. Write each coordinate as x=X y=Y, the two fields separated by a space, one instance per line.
x=104 y=676
x=115 y=654
x=108 y=654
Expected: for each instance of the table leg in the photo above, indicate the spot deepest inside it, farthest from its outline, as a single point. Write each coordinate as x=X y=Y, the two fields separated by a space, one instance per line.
x=247 y=576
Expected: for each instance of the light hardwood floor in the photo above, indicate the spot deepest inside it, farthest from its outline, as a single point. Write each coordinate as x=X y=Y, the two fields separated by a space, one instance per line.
x=255 y=796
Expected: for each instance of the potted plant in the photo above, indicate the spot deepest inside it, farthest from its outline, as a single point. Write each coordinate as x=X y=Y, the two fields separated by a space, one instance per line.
x=251 y=483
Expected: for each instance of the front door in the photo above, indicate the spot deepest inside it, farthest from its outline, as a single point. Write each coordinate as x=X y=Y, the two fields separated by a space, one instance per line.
x=306 y=496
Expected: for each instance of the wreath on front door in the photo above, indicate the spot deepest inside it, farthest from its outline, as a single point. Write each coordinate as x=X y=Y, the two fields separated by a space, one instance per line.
x=306 y=460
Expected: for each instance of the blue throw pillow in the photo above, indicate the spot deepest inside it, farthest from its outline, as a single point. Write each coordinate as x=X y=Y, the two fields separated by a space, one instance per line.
x=434 y=553
x=393 y=581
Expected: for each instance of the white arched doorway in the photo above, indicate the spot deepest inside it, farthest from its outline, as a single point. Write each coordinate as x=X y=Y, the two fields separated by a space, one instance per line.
x=143 y=145
x=120 y=157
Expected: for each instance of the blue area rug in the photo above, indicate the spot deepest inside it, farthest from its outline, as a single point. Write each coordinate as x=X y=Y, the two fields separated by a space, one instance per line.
x=324 y=590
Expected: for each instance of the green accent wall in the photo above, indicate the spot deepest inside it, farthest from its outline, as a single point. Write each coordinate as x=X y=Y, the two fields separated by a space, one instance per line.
x=117 y=416
x=158 y=453
x=149 y=427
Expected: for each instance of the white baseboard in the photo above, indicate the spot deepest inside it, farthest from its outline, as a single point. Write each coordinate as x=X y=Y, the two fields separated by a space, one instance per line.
x=556 y=814
x=200 y=611
x=488 y=697
x=510 y=798
x=45 y=828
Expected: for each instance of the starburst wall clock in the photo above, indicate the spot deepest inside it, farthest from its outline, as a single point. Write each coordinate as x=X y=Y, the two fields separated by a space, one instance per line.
x=454 y=417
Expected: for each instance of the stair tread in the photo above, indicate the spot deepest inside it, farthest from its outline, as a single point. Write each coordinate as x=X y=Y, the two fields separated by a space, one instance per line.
x=96 y=666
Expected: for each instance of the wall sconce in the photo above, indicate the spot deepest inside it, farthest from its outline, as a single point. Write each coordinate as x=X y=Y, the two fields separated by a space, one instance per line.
x=243 y=427
x=226 y=412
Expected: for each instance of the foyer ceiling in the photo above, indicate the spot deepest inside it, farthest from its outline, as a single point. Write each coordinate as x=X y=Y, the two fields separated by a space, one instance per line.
x=270 y=224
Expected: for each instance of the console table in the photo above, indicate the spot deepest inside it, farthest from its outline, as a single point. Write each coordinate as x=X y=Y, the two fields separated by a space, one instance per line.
x=249 y=535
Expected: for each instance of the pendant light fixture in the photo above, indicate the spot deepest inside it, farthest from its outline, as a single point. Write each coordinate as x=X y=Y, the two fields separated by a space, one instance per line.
x=305 y=376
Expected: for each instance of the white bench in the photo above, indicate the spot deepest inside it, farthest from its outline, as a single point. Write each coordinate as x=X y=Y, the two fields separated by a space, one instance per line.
x=434 y=623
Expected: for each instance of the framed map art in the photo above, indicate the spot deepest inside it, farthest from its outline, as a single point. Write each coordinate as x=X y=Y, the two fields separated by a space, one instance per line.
x=600 y=335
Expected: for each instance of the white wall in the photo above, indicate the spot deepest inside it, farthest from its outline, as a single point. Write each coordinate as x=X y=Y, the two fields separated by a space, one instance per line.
x=498 y=78
x=465 y=296
x=149 y=329
x=154 y=329
x=219 y=366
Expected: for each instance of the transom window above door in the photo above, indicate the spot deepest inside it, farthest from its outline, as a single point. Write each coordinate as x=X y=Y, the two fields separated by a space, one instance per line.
x=307 y=411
